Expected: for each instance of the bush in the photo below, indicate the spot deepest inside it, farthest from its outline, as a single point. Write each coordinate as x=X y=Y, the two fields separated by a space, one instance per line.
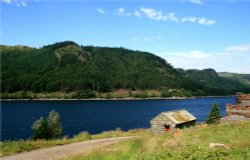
x=40 y=129
x=82 y=136
x=49 y=128
x=82 y=94
x=214 y=115
x=109 y=95
x=165 y=93
x=140 y=95
x=54 y=125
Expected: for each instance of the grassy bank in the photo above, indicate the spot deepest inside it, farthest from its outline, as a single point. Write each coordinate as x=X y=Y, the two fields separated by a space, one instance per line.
x=191 y=143
x=89 y=94
x=13 y=147
x=185 y=144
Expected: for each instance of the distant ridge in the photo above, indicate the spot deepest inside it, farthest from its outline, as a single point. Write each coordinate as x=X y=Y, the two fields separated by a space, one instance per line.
x=67 y=66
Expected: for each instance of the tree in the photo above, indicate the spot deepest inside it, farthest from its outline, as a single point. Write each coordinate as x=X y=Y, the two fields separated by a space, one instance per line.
x=54 y=125
x=40 y=129
x=49 y=128
x=214 y=115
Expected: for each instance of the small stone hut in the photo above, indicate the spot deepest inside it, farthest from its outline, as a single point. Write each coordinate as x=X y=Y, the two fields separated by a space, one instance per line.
x=168 y=121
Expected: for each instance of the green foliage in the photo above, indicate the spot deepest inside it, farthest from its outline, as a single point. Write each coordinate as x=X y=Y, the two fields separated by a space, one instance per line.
x=40 y=129
x=214 y=115
x=68 y=67
x=82 y=136
x=189 y=152
x=165 y=93
x=49 y=128
x=212 y=83
x=109 y=95
x=82 y=94
x=143 y=94
x=54 y=125
x=244 y=78
x=191 y=144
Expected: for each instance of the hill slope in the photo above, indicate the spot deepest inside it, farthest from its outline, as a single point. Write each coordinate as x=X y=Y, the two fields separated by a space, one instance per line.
x=66 y=67
x=214 y=83
x=244 y=78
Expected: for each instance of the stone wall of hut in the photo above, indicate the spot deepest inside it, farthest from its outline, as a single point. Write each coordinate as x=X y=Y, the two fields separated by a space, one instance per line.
x=157 y=124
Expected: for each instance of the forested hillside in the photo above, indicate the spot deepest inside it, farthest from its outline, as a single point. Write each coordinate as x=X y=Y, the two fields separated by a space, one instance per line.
x=243 y=78
x=68 y=67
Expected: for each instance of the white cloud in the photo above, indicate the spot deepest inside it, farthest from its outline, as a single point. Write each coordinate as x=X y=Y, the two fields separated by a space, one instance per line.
x=152 y=13
x=196 y=1
x=220 y=61
x=22 y=4
x=158 y=15
x=121 y=12
x=239 y=48
x=147 y=38
x=137 y=14
x=189 y=19
x=240 y=69
x=101 y=11
x=204 y=21
x=7 y=1
x=171 y=17
x=19 y=3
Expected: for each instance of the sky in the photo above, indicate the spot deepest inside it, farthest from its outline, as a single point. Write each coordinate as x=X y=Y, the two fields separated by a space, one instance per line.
x=189 y=34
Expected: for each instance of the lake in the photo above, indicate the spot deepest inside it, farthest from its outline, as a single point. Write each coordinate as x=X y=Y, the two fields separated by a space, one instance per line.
x=96 y=116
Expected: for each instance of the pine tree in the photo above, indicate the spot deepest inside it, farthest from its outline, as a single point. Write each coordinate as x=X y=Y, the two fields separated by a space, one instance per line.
x=214 y=115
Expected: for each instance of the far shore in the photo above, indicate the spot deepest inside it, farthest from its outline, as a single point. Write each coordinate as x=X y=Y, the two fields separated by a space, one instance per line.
x=102 y=99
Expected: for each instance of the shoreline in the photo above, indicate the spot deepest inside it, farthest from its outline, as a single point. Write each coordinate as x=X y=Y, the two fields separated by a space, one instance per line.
x=116 y=99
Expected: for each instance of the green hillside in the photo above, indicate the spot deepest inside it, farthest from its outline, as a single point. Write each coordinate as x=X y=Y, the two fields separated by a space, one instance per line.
x=214 y=83
x=68 y=67
x=243 y=78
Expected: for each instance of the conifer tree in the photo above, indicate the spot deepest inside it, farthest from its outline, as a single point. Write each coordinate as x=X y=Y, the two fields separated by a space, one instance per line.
x=214 y=115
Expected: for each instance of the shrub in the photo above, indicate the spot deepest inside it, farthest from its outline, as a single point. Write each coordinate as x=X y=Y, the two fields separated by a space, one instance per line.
x=165 y=93
x=49 y=128
x=84 y=94
x=40 y=129
x=109 y=95
x=54 y=125
x=82 y=136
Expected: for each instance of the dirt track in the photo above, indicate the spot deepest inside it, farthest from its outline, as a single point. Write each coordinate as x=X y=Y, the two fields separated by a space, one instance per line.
x=64 y=150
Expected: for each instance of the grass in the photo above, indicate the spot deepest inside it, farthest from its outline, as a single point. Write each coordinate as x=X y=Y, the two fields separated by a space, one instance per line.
x=13 y=147
x=121 y=93
x=186 y=144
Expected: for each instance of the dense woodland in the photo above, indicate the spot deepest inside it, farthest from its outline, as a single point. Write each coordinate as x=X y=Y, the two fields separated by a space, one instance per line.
x=68 y=67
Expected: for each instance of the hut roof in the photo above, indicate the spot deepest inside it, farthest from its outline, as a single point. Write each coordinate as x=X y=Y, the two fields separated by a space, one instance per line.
x=179 y=116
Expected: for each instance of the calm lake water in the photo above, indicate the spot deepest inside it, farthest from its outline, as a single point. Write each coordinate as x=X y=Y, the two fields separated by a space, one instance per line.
x=98 y=116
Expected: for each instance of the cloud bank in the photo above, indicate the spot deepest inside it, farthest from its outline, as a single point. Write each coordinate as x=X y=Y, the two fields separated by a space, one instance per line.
x=220 y=61
x=158 y=15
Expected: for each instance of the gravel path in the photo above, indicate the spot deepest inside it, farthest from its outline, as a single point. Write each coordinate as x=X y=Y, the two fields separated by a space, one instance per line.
x=64 y=150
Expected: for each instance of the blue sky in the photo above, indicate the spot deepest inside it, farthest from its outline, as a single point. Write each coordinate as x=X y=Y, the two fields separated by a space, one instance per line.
x=187 y=33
